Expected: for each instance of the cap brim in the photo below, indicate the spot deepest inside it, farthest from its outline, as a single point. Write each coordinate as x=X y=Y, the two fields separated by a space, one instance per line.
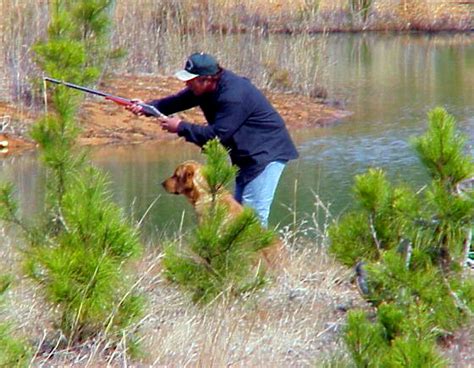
x=184 y=75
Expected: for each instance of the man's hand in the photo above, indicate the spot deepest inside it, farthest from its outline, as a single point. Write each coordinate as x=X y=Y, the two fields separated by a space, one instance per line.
x=135 y=108
x=170 y=124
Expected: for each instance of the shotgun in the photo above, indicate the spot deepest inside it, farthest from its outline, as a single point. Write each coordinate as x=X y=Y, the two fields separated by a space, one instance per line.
x=146 y=109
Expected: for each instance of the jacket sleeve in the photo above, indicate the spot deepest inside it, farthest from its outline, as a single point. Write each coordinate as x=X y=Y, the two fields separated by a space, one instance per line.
x=229 y=117
x=181 y=101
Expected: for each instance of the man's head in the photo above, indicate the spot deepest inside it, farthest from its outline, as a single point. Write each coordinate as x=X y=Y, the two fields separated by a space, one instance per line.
x=201 y=73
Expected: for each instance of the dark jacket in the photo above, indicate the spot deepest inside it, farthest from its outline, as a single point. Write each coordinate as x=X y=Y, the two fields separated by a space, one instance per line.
x=243 y=119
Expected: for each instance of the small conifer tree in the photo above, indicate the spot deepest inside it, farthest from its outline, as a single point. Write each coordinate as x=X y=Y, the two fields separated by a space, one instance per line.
x=221 y=256
x=78 y=250
x=409 y=249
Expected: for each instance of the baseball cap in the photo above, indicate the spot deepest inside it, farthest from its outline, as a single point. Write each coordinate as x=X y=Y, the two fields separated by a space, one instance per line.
x=198 y=64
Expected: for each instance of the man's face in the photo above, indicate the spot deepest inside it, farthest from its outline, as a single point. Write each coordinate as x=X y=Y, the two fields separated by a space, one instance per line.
x=200 y=85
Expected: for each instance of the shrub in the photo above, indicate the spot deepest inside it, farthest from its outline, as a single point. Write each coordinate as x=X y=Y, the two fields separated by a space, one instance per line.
x=410 y=249
x=221 y=256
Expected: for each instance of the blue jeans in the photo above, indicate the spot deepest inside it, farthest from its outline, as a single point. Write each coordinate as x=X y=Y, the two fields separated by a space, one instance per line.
x=258 y=193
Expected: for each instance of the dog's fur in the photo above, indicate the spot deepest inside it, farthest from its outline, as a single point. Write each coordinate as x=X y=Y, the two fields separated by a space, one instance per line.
x=188 y=180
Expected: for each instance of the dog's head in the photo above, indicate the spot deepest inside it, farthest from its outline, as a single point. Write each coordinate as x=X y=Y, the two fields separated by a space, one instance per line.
x=187 y=180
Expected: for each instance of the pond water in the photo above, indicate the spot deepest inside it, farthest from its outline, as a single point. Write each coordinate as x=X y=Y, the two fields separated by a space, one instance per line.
x=389 y=82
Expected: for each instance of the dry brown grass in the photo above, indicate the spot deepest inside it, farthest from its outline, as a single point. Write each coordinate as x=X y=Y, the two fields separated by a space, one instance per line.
x=292 y=322
x=170 y=29
x=295 y=321
x=425 y=15
x=299 y=16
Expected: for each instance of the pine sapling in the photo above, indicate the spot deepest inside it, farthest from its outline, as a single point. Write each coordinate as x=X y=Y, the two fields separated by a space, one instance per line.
x=410 y=250
x=78 y=250
x=221 y=256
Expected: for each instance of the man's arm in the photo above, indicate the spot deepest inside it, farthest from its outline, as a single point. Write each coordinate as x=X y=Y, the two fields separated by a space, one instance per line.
x=181 y=101
x=229 y=117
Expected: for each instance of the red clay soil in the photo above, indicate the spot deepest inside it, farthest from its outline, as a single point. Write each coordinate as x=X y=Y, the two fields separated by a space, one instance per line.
x=104 y=122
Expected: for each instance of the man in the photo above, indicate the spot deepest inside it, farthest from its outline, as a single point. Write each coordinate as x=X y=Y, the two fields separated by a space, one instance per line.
x=243 y=120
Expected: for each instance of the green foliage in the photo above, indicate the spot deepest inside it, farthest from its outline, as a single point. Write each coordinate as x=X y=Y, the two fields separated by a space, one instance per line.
x=382 y=223
x=89 y=294
x=218 y=173
x=412 y=352
x=5 y=282
x=64 y=59
x=391 y=339
x=80 y=265
x=56 y=137
x=93 y=19
x=361 y=8
x=465 y=290
x=413 y=246
x=13 y=352
x=351 y=240
x=221 y=256
x=75 y=26
x=441 y=150
x=88 y=208
x=8 y=205
x=372 y=190
x=365 y=340
x=79 y=250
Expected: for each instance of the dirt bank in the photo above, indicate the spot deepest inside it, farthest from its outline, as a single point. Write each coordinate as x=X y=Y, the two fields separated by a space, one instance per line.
x=104 y=122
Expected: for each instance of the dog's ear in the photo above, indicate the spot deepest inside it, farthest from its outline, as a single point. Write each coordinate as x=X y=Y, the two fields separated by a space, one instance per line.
x=185 y=178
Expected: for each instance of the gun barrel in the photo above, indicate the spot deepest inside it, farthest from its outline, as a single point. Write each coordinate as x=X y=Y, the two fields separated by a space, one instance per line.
x=147 y=109
x=75 y=86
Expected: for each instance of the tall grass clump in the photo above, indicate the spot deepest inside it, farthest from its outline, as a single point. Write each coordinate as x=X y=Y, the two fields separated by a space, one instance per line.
x=78 y=250
x=21 y=24
x=221 y=257
x=409 y=250
x=13 y=352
